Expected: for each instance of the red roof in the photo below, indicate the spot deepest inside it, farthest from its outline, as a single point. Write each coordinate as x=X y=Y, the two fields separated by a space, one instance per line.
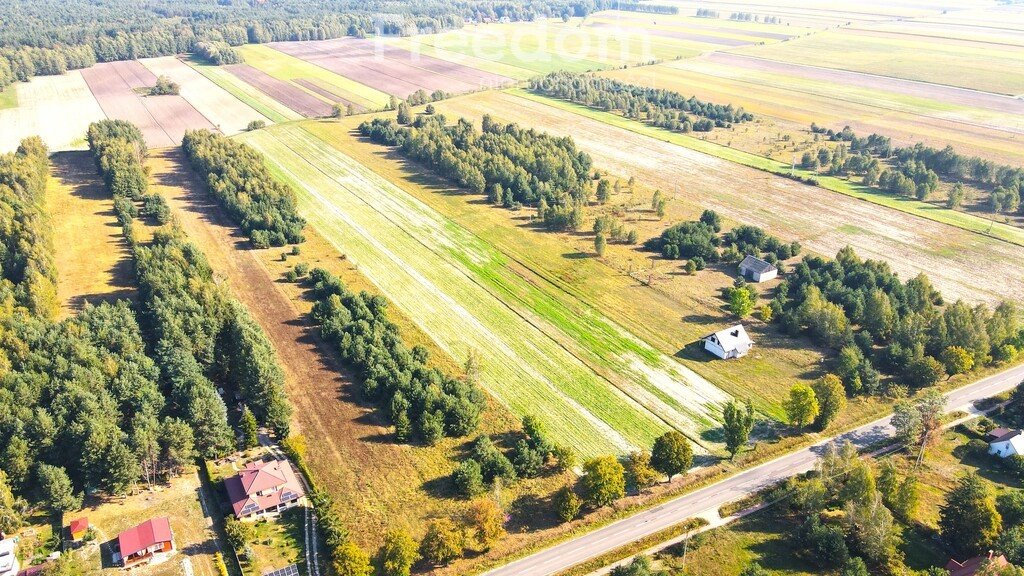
x=971 y=566
x=150 y=532
x=998 y=432
x=79 y=525
x=263 y=485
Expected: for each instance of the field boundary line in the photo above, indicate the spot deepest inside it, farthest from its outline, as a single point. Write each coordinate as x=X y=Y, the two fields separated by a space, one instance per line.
x=962 y=220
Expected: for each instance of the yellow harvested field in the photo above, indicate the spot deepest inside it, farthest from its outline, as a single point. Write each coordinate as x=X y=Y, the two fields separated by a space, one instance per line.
x=962 y=264
x=93 y=260
x=794 y=103
x=967 y=64
x=57 y=108
x=229 y=114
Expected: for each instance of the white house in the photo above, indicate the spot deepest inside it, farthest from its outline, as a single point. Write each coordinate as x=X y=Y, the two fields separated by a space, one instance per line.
x=1009 y=444
x=757 y=270
x=732 y=342
x=8 y=559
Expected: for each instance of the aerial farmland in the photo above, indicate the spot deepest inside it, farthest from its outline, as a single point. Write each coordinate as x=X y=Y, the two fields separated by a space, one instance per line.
x=512 y=288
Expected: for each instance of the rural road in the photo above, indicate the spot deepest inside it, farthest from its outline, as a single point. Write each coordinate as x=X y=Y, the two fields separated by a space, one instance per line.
x=711 y=498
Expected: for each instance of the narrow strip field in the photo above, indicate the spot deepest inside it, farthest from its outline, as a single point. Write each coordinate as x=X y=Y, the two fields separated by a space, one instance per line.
x=229 y=114
x=162 y=119
x=288 y=94
x=93 y=261
x=962 y=264
x=595 y=386
x=255 y=99
x=43 y=109
x=799 y=101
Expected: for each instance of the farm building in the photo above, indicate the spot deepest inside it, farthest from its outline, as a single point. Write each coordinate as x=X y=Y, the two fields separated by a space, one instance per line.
x=976 y=565
x=8 y=557
x=1011 y=443
x=148 y=543
x=757 y=270
x=733 y=342
x=263 y=488
x=78 y=528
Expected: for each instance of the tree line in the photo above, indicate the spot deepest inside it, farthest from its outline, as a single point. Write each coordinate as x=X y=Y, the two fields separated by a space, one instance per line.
x=420 y=401
x=880 y=325
x=80 y=403
x=915 y=171
x=702 y=241
x=236 y=175
x=198 y=333
x=50 y=37
x=662 y=108
x=512 y=165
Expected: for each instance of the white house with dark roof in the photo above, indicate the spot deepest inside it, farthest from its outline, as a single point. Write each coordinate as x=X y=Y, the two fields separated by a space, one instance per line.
x=1011 y=443
x=733 y=342
x=8 y=557
x=757 y=270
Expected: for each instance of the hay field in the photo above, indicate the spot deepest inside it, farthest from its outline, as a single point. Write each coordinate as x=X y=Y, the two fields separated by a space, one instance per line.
x=564 y=267
x=57 y=108
x=227 y=113
x=595 y=385
x=819 y=13
x=93 y=261
x=967 y=64
x=291 y=69
x=793 y=102
x=962 y=264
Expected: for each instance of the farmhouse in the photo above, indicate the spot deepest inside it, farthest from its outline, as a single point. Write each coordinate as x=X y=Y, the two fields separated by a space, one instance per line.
x=975 y=565
x=1011 y=443
x=264 y=488
x=732 y=342
x=757 y=270
x=148 y=543
x=8 y=558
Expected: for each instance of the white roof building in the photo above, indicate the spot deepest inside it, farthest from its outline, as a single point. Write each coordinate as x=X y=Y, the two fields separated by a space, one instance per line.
x=733 y=342
x=1009 y=444
x=757 y=270
x=8 y=559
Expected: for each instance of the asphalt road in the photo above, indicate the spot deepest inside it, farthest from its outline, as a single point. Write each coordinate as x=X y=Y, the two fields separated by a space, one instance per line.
x=567 y=554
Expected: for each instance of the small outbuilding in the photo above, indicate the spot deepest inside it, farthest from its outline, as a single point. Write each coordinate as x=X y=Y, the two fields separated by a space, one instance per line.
x=733 y=342
x=976 y=565
x=78 y=528
x=756 y=270
x=1011 y=443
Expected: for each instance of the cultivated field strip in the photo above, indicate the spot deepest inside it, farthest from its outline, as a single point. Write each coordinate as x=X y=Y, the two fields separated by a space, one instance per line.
x=43 y=110
x=574 y=351
x=962 y=264
x=288 y=94
x=255 y=99
x=162 y=119
x=229 y=114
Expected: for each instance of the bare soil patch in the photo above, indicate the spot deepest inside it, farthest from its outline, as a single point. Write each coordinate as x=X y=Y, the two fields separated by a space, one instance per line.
x=306 y=104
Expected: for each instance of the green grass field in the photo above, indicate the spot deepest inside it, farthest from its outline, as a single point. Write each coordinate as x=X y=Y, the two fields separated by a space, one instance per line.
x=9 y=97
x=256 y=100
x=961 y=220
x=595 y=385
x=288 y=68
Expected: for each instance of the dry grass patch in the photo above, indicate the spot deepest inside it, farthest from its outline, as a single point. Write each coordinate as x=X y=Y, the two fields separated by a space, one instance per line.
x=93 y=260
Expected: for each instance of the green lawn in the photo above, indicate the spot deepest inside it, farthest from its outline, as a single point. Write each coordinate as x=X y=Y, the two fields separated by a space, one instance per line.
x=962 y=220
x=598 y=387
x=9 y=97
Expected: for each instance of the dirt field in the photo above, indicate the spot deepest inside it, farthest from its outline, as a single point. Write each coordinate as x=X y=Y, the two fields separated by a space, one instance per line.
x=57 y=108
x=227 y=113
x=298 y=100
x=162 y=119
x=961 y=264
x=309 y=85
x=93 y=261
x=376 y=483
x=389 y=69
